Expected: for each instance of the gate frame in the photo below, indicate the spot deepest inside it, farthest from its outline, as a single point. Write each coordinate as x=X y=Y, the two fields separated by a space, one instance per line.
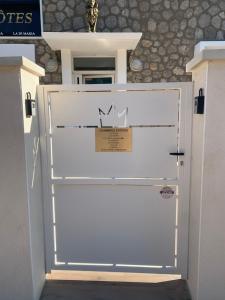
x=185 y=125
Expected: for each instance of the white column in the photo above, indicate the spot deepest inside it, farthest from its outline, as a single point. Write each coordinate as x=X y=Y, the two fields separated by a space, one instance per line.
x=67 y=66
x=21 y=213
x=121 y=66
x=207 y=205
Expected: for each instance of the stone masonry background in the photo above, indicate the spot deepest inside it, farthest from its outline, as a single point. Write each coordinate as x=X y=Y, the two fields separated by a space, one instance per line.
x=171 y=28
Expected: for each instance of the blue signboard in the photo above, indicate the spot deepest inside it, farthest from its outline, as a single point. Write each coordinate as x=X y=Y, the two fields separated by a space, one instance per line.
x=20 y=18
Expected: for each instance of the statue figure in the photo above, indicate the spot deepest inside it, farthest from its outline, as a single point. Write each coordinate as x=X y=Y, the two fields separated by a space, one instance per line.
x=92 y=14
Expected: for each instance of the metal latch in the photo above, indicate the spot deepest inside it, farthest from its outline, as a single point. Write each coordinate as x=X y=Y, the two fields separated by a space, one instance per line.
x=199 y=103
x=30 y=105
x=177 y=153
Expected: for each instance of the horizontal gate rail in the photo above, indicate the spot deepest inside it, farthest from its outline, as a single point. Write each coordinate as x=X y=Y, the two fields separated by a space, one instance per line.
x=117 y=181
x=182 y=86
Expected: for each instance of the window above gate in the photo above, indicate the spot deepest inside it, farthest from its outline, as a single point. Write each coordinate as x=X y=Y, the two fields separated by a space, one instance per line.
x=94 y=70
x=93 y=50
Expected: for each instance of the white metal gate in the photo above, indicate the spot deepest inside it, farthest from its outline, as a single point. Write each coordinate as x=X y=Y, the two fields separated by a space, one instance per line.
x=124 y=209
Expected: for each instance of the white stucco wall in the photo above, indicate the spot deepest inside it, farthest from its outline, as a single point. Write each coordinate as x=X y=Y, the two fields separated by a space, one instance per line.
x=196 y=183
x=212 y=243
x=29 y=82
x=15 y=261
x=21 y=226
x=207 y=222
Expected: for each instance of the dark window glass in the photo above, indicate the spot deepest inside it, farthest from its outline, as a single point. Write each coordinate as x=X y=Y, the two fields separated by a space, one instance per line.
x=98 y=80
x=94 y=63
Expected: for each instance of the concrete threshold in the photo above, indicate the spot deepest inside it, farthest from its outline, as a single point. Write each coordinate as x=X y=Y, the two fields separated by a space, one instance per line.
x=111 y=276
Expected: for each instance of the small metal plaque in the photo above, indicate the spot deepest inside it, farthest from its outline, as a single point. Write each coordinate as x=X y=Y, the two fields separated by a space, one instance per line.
x=113 y=139
x=167 y=192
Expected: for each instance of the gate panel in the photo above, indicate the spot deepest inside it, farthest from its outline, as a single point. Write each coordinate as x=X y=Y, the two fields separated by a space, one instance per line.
x=117 y=211
x=159 y=107
x=153 y=118
x=74 y=155
x=115 y=225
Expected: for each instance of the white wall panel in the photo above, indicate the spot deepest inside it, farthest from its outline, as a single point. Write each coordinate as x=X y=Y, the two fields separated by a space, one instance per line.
x=74 y=155
x=157 y=107
x=115 y=225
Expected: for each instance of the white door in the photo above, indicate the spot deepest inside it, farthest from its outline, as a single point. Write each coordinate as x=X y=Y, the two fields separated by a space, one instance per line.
x=116 y=193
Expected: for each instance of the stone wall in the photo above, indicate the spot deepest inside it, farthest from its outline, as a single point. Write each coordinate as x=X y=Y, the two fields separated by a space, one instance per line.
x=170 y=29
x=43 y=54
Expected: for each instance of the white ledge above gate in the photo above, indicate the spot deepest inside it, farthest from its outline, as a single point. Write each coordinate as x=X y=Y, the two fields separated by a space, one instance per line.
x=93 y=44
x=206 y=51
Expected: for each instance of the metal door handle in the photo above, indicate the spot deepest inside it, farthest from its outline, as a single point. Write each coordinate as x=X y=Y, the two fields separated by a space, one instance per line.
x=177 y=153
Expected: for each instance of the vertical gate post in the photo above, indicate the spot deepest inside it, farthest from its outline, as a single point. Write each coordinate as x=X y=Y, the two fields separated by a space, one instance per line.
x=21 y=228
x=207 y=207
